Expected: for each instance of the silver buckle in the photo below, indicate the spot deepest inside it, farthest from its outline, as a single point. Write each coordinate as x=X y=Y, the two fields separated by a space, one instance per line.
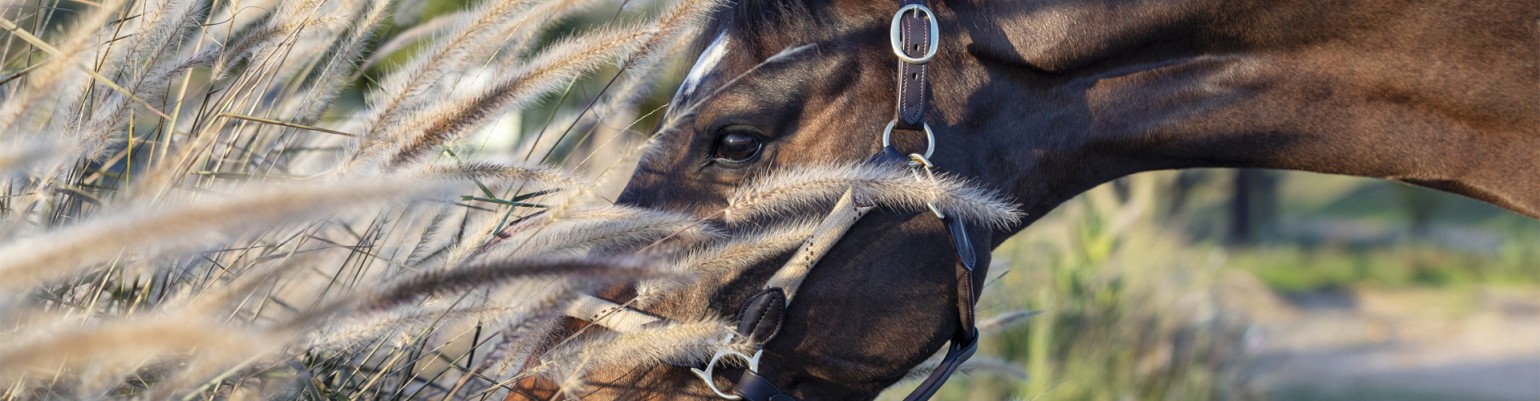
x=895 y=39
x=706 y=375
x=930 y=137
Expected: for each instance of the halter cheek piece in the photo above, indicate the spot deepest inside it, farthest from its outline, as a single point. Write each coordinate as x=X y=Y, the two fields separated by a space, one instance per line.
x=914 y=36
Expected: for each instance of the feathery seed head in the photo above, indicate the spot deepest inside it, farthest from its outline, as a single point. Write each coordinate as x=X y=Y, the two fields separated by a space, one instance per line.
x=884 y=185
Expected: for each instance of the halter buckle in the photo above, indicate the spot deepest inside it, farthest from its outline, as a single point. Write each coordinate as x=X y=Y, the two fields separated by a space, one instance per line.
x=706 y=375
x=930 y=137
x=895 y=36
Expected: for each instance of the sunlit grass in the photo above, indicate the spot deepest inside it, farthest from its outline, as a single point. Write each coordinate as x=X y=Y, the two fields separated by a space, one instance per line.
x=197 y=206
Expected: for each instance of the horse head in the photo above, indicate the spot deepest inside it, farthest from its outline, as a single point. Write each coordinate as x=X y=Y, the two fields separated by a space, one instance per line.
x=1042 y=100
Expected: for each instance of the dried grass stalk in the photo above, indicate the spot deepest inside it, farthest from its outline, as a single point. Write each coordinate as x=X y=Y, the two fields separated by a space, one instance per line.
x=1005 y=321
x=18 y=157
x=683 y=343
x=604 y=229
x=977 y=364
x=705 y=269
x=409 y=86
x=61 y=252
x=484 y=171
x=595 y=271
x=57 y=74
x=342 y=335
x=548 y=72
x=884 y=185
x=118 y=348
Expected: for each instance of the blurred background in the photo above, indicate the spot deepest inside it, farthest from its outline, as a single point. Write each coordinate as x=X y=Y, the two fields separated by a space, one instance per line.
x=1226 y=284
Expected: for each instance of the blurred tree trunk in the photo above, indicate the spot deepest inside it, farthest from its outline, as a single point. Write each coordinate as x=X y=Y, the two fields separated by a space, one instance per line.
x=1420 y=207
x=1253 y=205
x=1181 y=191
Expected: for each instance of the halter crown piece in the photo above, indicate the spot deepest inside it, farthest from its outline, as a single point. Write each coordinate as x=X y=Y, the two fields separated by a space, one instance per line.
x=914 y=37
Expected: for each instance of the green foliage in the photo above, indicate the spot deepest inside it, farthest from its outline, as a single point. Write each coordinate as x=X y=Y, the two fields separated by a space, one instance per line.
x=1128 y=312
x=1294 y=269
x=1131 y=308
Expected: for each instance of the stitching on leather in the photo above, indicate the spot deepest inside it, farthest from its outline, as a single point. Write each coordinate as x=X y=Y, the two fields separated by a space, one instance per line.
x=743 y=310
x=924 y=44
x=777 y=327
x=761 y=320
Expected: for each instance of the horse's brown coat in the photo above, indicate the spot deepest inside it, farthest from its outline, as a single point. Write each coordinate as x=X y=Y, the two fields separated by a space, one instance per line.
x=1046 y=99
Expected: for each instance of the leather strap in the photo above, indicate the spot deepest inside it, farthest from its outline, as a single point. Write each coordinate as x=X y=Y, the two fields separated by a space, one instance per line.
x=965 y=340
x=913 y=95
x=753 y=387
x=959 y=352
x=913 y=89
x=760 y=317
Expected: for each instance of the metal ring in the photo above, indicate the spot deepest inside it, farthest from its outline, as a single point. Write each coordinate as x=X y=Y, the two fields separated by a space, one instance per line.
x=930 y=138
x=710 y=372
x=896 y=41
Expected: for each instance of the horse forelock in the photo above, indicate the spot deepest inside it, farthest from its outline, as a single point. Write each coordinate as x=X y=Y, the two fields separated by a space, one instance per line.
x=771 y=17
x=764 y=27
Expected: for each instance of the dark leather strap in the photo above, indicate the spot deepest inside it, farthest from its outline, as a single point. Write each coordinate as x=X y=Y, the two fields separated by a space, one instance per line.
x=913 y=89
x=753 y=387
x=759 y=318
x=966 y=340
x=959 y=352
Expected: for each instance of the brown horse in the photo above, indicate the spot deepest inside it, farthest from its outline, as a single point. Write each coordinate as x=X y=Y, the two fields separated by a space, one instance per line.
x=1045 y=99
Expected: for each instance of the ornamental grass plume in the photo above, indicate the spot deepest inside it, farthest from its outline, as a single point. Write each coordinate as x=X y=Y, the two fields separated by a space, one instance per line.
x=409 y=140
x=410 y=85
x=106 y=353
x=884 y=185
x=600 y=271
x=721 y=261
x=687 y=343
x=31 y=261
x=605 y=229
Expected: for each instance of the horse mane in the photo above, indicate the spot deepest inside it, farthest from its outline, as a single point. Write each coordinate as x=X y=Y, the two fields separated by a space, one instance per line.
x=765 y=18
x=759 y=16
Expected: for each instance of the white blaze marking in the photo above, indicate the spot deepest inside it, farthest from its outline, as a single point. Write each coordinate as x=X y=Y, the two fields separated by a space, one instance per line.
x=704 y=65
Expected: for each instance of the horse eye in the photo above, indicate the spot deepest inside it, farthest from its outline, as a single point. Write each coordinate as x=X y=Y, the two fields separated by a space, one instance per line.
x=736 y=147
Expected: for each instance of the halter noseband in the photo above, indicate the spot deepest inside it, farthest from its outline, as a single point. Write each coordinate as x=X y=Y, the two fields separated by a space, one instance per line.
x=914 y=37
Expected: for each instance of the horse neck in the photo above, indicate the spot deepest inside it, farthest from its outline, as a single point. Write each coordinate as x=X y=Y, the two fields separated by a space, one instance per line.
x=1441 y=94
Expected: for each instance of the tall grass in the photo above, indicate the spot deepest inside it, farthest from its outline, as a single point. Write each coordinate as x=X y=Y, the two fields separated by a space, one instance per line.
x=195 y=208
